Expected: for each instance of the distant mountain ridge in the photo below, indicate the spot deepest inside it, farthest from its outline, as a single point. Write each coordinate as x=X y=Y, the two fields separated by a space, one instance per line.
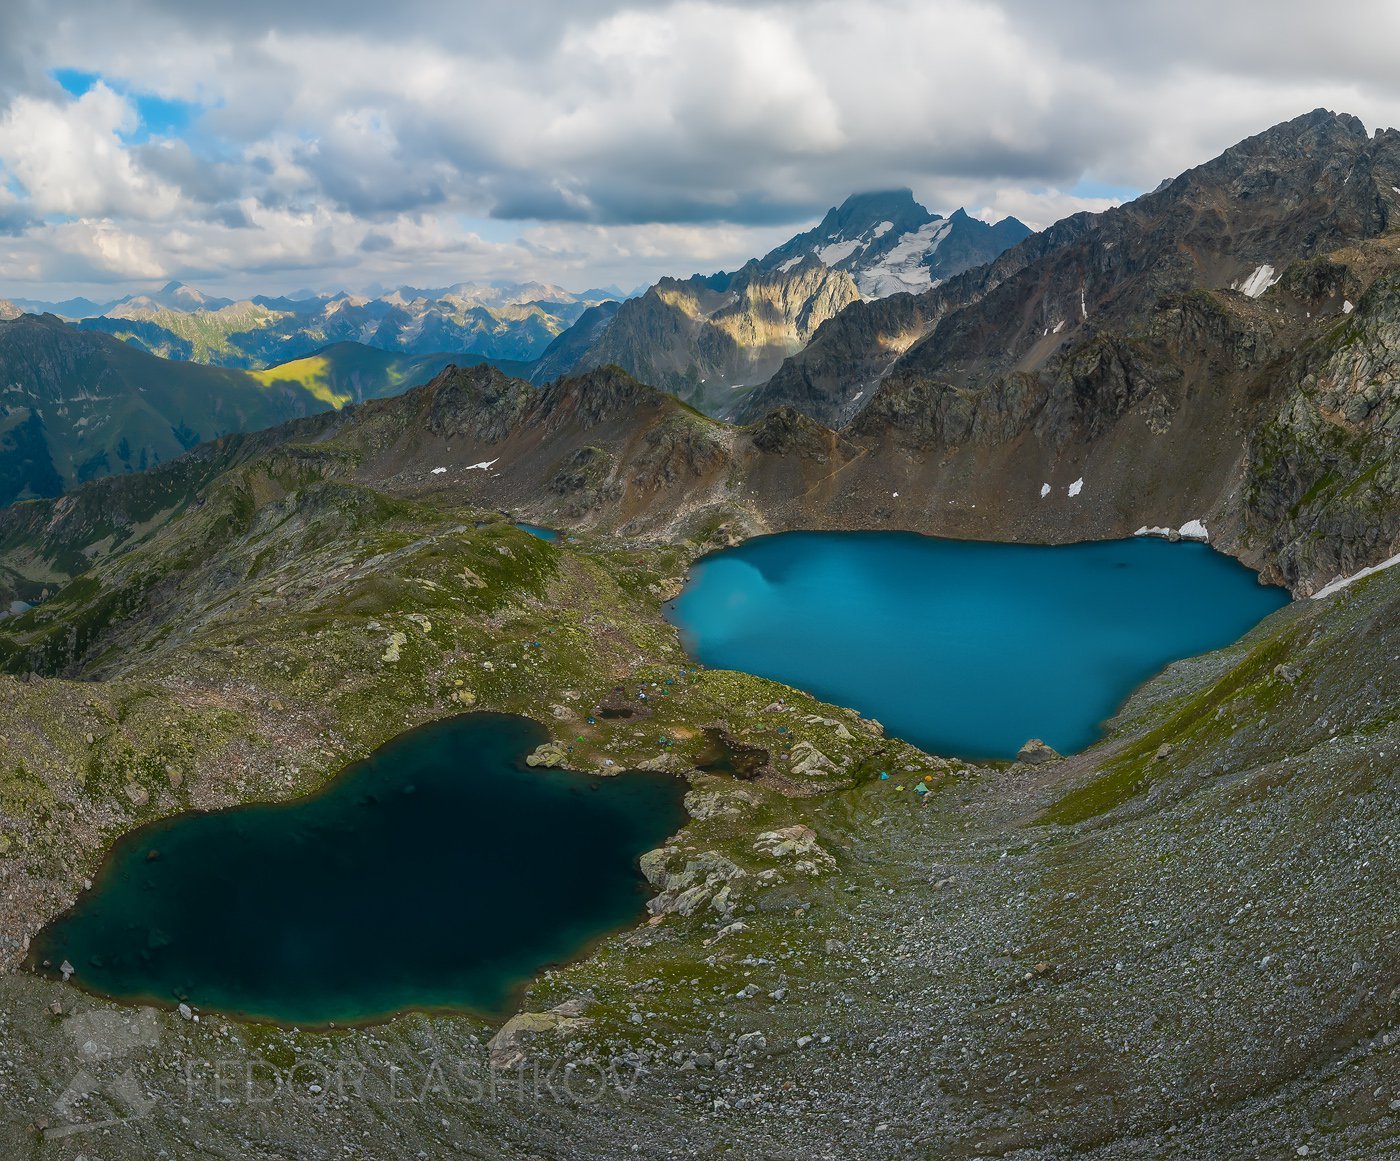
x=77 y=405
x=504 y=321
x=708 y=338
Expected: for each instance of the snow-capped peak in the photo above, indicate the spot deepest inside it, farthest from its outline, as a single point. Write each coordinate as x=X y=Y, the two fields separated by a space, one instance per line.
x=888 y=243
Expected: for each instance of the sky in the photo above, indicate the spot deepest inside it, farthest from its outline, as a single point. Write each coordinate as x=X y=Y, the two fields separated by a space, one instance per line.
x=266 y=147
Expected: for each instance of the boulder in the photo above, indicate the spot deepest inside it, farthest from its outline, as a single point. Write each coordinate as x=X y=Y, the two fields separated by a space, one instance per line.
x=508 y=1047
x=1035 y=753
x=810 y=762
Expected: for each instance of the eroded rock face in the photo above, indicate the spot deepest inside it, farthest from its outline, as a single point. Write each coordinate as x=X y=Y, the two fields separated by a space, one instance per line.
x=1323 y=475
x=699 y=337
x=811 y=762
x=689 y=882
x=797 y=845
x=722 y=802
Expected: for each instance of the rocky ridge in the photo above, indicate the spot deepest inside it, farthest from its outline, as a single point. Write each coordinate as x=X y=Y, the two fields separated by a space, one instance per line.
x=1298 y=190
x=708 y=339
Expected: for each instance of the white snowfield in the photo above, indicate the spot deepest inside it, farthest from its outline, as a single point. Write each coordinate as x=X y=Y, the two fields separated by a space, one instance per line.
x=1077 y=487
x=839 y=251
x=1191 y=530
x=1340 y=583
x=1258 y=282
x=902 y=268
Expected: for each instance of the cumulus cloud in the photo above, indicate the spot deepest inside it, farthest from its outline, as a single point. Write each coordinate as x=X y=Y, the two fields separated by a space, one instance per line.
x=348 y=141
x=70 y=159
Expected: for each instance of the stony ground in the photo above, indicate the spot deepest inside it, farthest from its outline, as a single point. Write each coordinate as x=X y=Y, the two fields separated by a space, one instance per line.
x=1120 y=955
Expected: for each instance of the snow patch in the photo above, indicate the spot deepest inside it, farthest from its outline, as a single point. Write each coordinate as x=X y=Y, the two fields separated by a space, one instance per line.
x=1191 y=530
x=1059 y=326
x=1083 y=306
x=882 y=229
x=1077 y=487
x=1348 y=306
x=484 y=466
x=837 y=252
x=902 y=266
x=1044 y=490
x=439 y=471
x=1340 y=583
x=1258 y=282
x=784 y=267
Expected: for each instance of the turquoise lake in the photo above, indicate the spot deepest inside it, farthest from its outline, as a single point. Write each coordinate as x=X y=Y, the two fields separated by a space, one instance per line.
x=538 y=531
x=441 y=872
x=966 y=648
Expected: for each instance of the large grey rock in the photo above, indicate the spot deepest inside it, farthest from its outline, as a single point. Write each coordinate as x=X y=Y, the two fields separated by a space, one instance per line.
x=508 y=1049
x=1035 y=753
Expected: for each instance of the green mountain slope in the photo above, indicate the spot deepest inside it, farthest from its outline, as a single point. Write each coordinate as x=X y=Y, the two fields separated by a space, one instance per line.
x=75 y=406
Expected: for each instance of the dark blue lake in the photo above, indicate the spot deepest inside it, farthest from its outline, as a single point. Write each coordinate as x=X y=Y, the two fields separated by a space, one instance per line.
x=967 y=648
x=441 y=872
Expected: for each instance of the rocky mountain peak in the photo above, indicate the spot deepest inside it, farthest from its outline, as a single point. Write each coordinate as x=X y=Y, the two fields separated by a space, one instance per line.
x=864 y=212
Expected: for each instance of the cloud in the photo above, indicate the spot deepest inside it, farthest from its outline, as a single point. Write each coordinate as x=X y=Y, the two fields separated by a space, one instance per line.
x=350 y=140
x=70 y=159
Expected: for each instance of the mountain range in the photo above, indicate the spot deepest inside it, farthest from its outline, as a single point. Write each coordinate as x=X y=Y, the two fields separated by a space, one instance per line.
x=510 y=322
x=703 y=338
x=1118 y=370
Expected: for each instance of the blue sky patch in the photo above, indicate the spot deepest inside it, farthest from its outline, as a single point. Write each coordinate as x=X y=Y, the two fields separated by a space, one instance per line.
x=159 y=116
x=1103 y=189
